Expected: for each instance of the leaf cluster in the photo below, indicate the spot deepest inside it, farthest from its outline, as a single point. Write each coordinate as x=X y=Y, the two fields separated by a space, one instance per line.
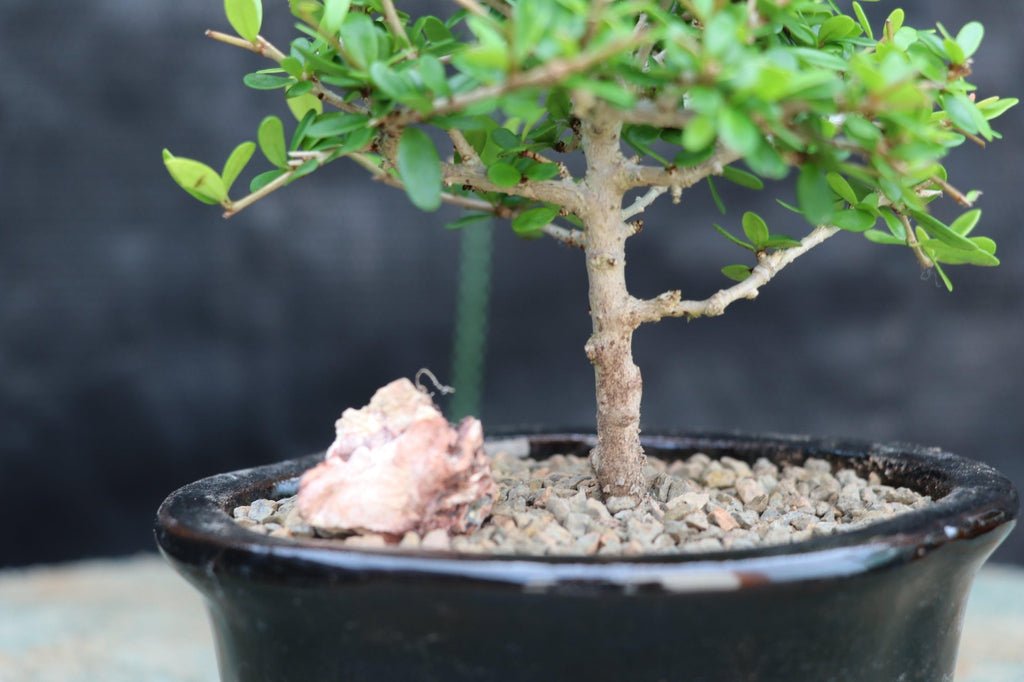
x=860 y=109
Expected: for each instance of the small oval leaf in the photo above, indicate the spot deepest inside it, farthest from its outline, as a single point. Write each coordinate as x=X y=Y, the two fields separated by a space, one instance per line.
x=530 y=223
x=246 y=17
x=196 y=178
x=755 y=228
x=736 y=273
x=420 y=169
x=504 y=175
x=236 y=163
x=271 y=139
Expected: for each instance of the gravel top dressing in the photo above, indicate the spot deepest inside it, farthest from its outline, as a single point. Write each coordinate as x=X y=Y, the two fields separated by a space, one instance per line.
x=550 y=507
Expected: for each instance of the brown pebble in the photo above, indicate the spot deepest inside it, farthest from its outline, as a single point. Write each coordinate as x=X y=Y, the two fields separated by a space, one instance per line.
x=723 y=519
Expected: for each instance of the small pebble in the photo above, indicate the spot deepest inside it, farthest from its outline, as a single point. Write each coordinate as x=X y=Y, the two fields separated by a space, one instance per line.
x=723 y=519
x=619 y=504
x=261 y=510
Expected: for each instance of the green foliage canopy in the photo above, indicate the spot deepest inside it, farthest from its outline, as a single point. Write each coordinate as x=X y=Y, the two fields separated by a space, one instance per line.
x=859 y=109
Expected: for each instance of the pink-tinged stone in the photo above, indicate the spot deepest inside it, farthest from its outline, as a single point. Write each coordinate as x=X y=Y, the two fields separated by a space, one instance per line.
x=397 y=465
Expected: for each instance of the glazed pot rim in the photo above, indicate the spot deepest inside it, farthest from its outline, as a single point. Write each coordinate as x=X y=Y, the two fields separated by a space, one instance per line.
x=194 y=526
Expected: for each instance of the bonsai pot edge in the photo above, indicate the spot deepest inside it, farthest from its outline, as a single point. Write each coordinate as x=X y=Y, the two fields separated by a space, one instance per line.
x=883 y=602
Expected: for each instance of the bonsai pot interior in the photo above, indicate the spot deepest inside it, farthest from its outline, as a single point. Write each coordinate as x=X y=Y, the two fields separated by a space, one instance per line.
x=883 y=602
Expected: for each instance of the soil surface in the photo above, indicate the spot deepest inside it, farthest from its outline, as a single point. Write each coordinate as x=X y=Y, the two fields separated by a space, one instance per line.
x=551 y=507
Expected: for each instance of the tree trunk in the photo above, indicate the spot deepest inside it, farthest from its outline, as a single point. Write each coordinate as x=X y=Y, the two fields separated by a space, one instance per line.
x=618 y=458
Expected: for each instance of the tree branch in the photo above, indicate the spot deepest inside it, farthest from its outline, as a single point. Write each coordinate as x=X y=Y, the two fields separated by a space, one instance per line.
x=562 y=193
x=636 y=175
x=569 y=237
x=237 y=207
x=670 y=305
x=642 y=202
x=908 y=230
x=394 y=22
x=463 y=147
x=552 y=72
x=264 y=48
x=565 y=235
x=646 y=112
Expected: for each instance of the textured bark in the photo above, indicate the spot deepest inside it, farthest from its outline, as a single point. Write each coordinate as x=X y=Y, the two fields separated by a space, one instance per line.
x=618 y=458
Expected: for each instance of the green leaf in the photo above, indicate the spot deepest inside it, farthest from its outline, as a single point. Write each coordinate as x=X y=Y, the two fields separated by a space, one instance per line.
x=954 y=51
x=435 y=30
x=966 y=222
x=943 y=276
x=299 y=135
x=842 y=188
x=994 y=107
x=879 y=237
x=529 y=223
x=735 y=240
x=949 y=255
x=245 y=16
x=969 y=38
x=863 y=19
x=265 y=81
x=467 y=220
x=432 y=74
x=264 y=179
x=737 y=273
x=715 y=196
x=303 y=170
x=837 y=28
x=338 y=123
x=390 y=82
x=334 y=15
x=755 y=228
x=742 y=178
x=359 y=36
x=271 y=139
x=895 y=21
x=236 y=163
x=936 y=228
x=960 y=112
x=196 y=178
x=738 y=132
x=420 y=169
x=300 y=88
x=542 y=171
x=780 y=241
x=303 y=104
x=503 y=174
x=699 y=133
x=506 y=139
x=356 y=141
x=854 y=220
x=293 y=67
x=894 y=224
x=813 y=195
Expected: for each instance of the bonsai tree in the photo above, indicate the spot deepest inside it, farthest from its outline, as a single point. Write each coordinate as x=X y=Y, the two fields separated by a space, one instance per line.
x=570 y=118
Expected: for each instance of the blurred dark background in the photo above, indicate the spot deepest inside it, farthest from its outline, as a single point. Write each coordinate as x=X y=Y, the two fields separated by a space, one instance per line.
x=144 y=342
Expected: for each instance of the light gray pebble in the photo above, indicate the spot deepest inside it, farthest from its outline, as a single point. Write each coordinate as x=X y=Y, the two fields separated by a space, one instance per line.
x=559 y=508
x=618 y=504
x=698 y=520
x=261 y=510
x=596 y=510
x=719 y=478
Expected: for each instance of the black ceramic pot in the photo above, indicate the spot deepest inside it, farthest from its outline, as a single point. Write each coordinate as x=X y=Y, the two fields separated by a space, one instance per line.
x=880 y=604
